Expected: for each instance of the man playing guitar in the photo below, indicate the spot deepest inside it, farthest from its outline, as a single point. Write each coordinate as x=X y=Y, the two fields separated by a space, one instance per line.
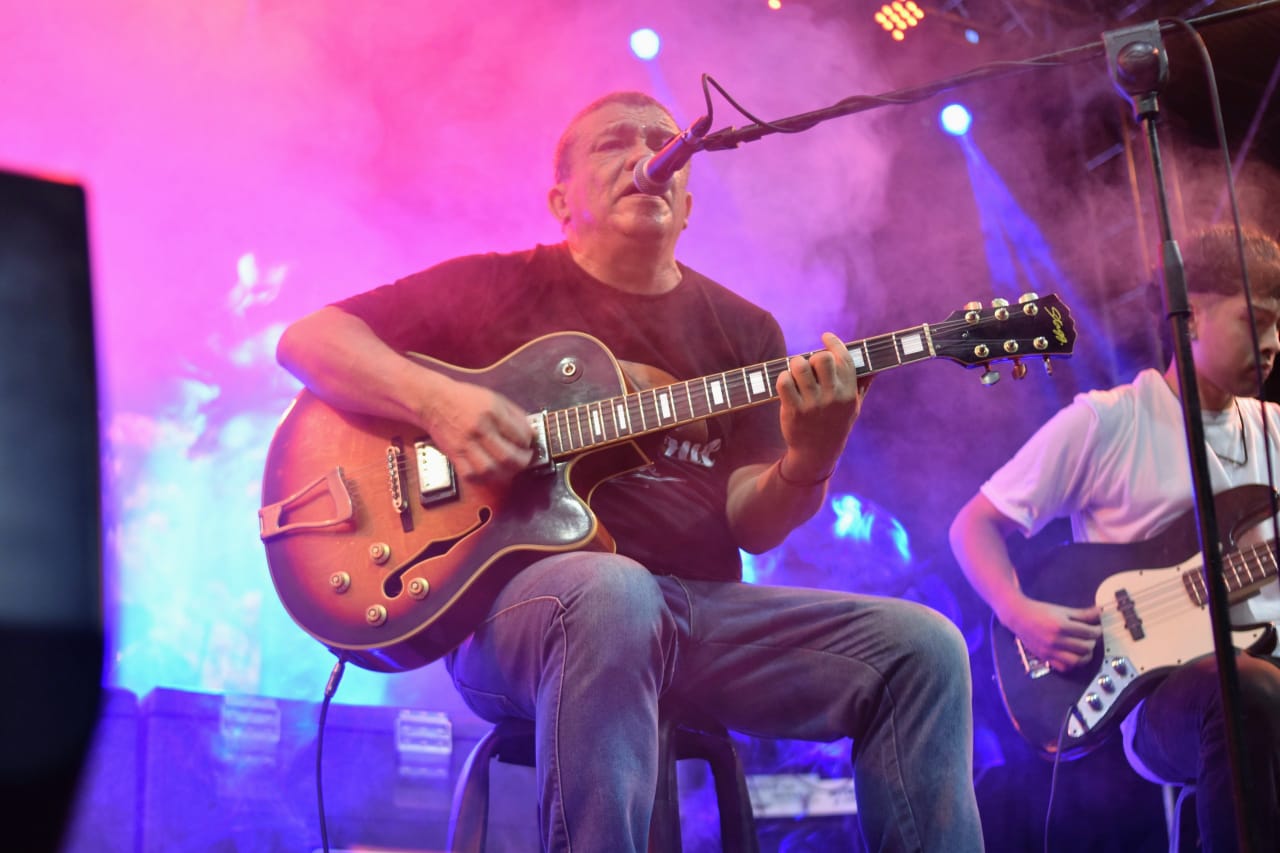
x=585 y=642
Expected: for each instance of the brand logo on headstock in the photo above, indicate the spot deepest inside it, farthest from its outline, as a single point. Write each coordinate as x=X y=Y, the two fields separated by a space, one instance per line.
x=1058 y=334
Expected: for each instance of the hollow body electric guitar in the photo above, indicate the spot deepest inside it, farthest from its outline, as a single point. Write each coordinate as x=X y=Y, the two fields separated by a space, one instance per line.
x=1155 y=616
x=382 y=554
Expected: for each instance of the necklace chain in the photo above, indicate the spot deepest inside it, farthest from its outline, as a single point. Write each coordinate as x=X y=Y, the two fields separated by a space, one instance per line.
x=1244 y=444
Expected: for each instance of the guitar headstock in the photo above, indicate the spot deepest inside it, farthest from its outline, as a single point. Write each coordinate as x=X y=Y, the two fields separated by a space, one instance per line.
x=1035 y=327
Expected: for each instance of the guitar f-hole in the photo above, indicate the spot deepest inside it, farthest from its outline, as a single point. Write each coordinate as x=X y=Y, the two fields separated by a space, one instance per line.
x=393 y=584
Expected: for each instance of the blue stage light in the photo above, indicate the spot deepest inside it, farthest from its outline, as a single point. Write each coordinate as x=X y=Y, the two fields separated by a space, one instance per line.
x=645 y=43
x=955 y=119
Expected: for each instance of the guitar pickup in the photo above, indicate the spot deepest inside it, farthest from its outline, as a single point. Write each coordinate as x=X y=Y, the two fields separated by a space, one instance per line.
x=1132 y=622
x=541 y=453
x=436 y=478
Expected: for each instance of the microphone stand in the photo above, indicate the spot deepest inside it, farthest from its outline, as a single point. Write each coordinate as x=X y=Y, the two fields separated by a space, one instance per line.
x=1138 y=63
x=731 y=137
x=1139 y=67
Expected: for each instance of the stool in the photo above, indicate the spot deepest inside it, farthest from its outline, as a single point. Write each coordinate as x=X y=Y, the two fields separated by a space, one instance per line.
x=1179 y=812
x=679 y=737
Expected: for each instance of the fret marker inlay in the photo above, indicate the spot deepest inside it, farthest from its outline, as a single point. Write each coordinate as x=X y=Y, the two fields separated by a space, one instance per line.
x=912 y=344
x=757 y=383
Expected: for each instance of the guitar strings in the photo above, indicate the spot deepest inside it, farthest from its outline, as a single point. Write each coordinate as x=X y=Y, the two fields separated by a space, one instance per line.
x=876 y=347
x=1161 y=601
x=1169 y=597
x=1157 y=598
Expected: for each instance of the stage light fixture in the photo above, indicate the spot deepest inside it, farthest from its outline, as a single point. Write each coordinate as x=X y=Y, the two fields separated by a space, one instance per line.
x=645 y=43
x=898 y=17
x=955 y=119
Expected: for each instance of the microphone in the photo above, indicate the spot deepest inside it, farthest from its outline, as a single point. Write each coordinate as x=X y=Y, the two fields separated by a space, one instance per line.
x=653 y=174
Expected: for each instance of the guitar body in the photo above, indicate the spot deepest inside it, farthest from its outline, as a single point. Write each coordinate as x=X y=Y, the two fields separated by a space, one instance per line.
x=382 y=554
x=393 y=588
x=1166 y=629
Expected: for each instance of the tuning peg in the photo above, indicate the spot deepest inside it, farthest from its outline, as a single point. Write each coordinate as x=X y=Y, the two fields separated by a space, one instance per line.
x=999 y=303
x=1019 y=369
x=1048 y=366
x=972 y=313
x=990 y=377
x=1029 y=296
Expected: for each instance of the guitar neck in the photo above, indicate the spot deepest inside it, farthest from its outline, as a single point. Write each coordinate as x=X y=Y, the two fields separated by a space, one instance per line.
x=604 y=422
x=1243 y=571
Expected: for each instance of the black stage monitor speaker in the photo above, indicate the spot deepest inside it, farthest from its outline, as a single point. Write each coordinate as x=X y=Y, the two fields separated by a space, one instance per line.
x=51 y=629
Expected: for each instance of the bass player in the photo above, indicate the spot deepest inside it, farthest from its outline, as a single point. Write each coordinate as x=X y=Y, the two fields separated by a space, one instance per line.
x=1115 y=463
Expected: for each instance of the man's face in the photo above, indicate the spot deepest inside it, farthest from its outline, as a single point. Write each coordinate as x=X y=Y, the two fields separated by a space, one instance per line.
x=1223 y=345
x=597 y=200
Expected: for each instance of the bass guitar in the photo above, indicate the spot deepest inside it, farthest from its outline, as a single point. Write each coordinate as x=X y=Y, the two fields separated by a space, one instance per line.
x=382 y=554
x=1155 y=616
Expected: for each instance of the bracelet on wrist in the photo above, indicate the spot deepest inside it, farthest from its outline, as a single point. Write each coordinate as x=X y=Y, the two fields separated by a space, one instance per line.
x=804 y=484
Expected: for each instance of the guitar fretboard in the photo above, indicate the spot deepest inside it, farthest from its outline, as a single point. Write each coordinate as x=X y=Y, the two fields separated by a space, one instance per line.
x=592 y=425
x=1241 y=570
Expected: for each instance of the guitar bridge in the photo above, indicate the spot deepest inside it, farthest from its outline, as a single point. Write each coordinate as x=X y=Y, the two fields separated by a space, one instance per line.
x=1035 y=667
x=395 y=478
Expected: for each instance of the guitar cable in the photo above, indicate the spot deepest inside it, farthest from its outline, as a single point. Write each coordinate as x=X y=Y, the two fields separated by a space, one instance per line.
x=330 y=688
x=1053 y=777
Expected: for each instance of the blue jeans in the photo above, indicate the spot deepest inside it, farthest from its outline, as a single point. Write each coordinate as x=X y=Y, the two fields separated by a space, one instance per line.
x=587 y=644
x=1181 y=737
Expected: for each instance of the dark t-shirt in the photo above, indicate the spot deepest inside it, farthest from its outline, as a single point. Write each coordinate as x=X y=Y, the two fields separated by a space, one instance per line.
x=473 y=311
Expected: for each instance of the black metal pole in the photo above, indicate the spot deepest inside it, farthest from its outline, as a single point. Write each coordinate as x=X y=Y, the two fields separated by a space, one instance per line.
x=1139 y=68
x=731 y=137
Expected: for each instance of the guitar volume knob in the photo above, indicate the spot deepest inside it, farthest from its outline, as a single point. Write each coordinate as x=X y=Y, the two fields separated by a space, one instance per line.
x=375 y=615
x=339 y=582
x=1094 y=701
x=418 y=589
x=1107 y=685
x=379 y=552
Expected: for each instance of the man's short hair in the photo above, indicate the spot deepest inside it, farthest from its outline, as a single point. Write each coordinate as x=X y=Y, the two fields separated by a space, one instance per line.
x=628 y=98
x=1212 y=262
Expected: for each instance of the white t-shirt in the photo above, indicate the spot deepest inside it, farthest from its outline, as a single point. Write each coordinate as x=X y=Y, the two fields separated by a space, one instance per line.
x=1115 y=462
